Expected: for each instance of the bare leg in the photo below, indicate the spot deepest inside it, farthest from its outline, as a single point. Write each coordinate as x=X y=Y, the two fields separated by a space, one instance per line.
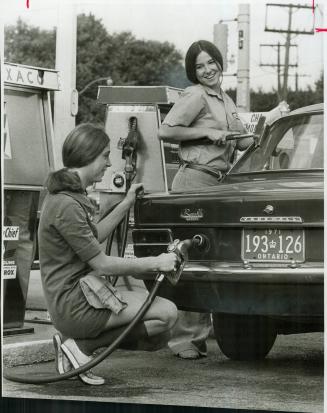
x=161 y=316
x=158 y=320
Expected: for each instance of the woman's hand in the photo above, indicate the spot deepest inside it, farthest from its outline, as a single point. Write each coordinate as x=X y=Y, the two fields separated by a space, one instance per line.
x=167 y=262
x=133 y=192
x=219 y=137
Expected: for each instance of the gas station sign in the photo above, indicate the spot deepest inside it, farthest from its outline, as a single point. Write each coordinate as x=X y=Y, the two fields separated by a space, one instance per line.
x=31 y=76
x=10 y=234
x=250 y=120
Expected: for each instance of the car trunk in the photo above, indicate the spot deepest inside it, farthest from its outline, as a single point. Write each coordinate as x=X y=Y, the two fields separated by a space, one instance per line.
x=222 y=213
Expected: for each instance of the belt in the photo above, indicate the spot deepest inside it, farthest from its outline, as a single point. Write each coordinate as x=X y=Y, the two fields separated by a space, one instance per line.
x=218 y=175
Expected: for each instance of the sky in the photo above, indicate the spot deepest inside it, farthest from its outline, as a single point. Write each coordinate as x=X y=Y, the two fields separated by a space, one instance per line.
x=183 y=21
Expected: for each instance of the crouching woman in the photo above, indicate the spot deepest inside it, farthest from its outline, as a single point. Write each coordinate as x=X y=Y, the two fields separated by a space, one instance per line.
x=73 y=263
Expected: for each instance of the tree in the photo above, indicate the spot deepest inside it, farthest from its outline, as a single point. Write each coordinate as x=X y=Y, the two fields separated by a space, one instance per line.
x=263 y=101
x=320 y=88
x=266 y=101
x=30 y=45
x=92 y=62
x=127 y=60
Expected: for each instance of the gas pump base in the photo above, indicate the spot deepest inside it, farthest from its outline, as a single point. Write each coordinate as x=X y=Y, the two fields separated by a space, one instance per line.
x=16 y=331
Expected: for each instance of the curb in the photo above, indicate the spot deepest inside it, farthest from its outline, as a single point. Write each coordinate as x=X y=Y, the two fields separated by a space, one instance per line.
x=18 y=354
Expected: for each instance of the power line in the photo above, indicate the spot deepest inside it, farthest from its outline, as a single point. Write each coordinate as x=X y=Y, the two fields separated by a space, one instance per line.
x=278 y=65
x=291 y=8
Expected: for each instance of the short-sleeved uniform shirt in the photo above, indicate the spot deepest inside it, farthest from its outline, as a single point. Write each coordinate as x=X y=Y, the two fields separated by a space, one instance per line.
x=67 y=240
x=200 y=106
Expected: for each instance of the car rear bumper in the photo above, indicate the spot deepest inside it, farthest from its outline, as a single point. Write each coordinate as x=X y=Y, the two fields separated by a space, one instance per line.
x=223 y=272
x=295 y=293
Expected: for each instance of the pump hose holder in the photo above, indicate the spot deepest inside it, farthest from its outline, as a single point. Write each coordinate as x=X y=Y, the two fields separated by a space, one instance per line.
x=129 y=150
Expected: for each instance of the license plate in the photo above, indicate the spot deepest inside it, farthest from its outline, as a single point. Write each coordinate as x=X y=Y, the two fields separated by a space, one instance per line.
x=273 y=245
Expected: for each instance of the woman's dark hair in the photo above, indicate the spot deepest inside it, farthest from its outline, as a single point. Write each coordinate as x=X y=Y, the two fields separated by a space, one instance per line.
x=194 y=50
x=83 y=144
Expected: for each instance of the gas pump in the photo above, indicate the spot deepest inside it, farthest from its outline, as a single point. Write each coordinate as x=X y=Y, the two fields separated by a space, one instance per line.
x=28 y=157
x=147 y=105
x=133 y=116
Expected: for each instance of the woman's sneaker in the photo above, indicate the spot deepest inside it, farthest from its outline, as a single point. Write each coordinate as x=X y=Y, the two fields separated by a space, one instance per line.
x=77 y=358
x=63 y=365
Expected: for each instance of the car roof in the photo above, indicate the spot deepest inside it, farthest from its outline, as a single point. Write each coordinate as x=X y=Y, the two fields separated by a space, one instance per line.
x=307 y=109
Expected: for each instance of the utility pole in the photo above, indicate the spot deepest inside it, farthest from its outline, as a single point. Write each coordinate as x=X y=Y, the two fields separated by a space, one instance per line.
x=288 y=32
x=278 y=69
x=297 y=80
x=287 y=53
x=243 y=65
x=220 y=39
x=278 y=65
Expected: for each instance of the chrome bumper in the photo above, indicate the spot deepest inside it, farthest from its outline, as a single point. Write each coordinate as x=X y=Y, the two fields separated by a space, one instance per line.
x=223 y=272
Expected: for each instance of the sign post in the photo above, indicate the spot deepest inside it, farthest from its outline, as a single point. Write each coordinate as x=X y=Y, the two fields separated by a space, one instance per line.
x=66 y=101
x=243 y=70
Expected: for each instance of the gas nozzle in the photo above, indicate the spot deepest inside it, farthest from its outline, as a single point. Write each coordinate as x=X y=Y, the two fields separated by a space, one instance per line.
x=181 y=248
x=140 y=193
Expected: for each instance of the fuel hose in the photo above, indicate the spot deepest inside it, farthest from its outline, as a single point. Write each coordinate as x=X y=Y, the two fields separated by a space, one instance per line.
x=129 y=153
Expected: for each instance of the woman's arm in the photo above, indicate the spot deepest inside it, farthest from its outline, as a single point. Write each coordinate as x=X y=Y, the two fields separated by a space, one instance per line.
x=244 y=143
x=107 y=265
x=107 y=225
x=185 y=133
x=180 y=133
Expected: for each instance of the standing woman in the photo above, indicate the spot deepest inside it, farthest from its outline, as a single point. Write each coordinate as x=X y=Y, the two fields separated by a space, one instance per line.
x=204 y=110
x=73 y=263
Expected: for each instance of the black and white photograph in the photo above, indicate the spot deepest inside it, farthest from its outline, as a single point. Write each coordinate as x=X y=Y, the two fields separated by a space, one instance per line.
x=162 y=177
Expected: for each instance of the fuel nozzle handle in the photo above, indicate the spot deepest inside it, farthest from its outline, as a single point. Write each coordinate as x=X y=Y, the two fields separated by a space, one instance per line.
x=180 y=248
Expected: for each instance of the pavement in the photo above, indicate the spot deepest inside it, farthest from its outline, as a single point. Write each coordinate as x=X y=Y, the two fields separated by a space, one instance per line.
x=30 y=347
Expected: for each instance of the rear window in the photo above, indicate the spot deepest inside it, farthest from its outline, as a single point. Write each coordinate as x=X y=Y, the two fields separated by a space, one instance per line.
x=294 y=142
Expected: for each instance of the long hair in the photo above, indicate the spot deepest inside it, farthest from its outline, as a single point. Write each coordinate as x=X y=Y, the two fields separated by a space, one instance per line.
x=81 y=147
x=83 y=144
x=194 y=50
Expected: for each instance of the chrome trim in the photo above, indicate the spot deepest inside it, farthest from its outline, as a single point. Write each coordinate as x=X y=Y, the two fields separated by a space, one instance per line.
x=23 y=187
x=297 y=220
x=192 y=216
x=269 y=209
x=222 y=272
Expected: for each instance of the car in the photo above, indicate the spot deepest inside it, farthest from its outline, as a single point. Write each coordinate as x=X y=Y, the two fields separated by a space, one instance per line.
x=260 y=268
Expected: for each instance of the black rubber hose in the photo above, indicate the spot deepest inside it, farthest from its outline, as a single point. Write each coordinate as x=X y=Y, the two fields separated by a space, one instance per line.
x=100 y=357
x=121 y=248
